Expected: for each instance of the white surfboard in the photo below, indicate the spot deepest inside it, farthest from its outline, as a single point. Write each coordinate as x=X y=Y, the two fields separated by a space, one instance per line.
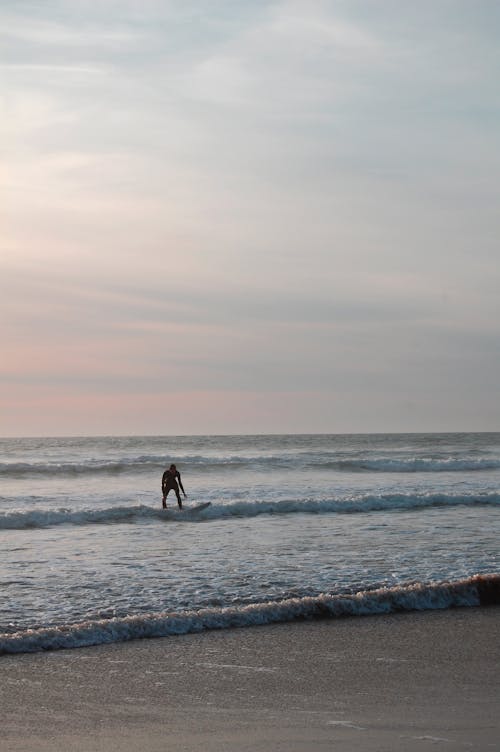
x=197 y=507
x=170 y=512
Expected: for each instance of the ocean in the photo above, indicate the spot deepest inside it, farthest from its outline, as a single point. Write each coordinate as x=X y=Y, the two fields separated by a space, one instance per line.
x=299 y=527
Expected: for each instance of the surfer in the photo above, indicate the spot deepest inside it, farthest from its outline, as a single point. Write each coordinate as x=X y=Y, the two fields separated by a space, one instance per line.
x=171 y=481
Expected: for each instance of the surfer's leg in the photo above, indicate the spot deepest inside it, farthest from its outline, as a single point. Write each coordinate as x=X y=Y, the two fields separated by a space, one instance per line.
x=178 y=498
x=165 y=494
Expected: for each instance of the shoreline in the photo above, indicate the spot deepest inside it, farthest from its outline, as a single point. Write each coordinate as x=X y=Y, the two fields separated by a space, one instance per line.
x=387 y=682
x=479 y=589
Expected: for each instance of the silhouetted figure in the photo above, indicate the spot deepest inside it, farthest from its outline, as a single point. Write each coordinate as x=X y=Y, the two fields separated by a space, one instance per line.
x=169 y=483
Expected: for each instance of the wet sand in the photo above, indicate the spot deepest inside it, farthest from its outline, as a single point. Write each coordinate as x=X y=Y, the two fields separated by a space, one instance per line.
x=400 y=682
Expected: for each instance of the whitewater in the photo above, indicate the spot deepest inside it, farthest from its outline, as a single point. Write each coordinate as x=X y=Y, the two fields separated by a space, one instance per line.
x=318 y=526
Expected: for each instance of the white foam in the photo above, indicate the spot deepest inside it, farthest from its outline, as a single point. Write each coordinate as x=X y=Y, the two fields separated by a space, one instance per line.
x=351 y=504
x=199 y=463
x=417 y=465
x=37 y=518
x=49 y=517
x=413 y=597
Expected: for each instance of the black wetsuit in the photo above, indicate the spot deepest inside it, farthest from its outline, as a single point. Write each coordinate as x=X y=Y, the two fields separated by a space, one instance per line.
x=169 y=483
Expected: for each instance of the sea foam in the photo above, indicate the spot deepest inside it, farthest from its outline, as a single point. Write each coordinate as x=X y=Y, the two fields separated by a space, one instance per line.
x=200 y=464
x=473 y=591
x=39 y=518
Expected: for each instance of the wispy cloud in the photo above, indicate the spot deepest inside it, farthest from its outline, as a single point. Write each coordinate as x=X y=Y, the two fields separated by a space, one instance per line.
x=258 y=198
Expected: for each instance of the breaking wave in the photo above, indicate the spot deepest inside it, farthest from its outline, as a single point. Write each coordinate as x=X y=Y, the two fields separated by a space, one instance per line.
x=136 y=512
x=414 y=465
x=203 y=464
x=474 y=591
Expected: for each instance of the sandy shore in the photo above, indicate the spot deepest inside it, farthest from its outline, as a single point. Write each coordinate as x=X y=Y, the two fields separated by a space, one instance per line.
x=401 y=682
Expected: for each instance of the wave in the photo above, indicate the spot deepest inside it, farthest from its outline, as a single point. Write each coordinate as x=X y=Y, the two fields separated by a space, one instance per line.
x=199 y=464
x=196 y=463
x=479 y=590
x=38 y=518
x=41 y=518
x=88 y=467
x=413 y=465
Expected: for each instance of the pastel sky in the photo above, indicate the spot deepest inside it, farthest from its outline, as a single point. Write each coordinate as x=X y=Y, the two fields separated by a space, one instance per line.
x=249 y=217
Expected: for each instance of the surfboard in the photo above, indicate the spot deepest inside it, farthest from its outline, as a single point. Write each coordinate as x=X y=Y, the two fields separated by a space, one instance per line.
x=186 y=510
x=197 y=507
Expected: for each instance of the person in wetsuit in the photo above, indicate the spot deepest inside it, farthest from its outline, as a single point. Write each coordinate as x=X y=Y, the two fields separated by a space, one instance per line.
x=171 y=481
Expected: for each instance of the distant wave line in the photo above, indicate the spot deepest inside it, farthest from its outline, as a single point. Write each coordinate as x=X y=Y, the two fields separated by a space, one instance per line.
x=200 y=464
x=478 y=590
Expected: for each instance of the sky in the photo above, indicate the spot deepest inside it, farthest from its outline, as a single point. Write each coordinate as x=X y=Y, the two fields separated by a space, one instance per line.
x=228 y=217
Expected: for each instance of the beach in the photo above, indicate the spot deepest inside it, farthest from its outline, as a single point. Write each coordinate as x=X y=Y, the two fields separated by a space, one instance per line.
x=340 y=592
x=409 y=681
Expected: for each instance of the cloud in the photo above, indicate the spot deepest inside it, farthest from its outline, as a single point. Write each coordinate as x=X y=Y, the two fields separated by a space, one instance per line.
x=265 y=198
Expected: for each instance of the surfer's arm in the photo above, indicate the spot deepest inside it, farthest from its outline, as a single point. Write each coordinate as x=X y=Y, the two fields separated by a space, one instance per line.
x=180 y=483
x=164 y=481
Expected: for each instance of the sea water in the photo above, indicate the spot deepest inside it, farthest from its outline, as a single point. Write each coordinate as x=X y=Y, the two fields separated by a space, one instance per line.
x=299 y=526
